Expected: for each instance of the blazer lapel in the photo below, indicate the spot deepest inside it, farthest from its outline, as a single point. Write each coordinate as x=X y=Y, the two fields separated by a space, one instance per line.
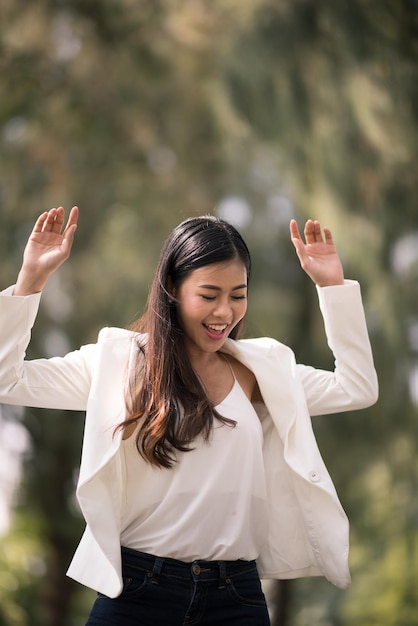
x=273 y=366
x=107 y=407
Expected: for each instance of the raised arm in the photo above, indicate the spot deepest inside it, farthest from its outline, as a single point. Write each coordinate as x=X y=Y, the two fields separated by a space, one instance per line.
x=353 y=383
x=49 y=245
x=318 y=256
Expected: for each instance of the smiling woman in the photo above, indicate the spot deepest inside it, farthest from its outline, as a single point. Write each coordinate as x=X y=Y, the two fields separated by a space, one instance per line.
x=193 y=307
x=200 y=471
x=210 y=304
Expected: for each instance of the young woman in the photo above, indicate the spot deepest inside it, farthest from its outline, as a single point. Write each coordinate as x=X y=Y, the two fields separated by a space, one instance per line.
x=200 y=471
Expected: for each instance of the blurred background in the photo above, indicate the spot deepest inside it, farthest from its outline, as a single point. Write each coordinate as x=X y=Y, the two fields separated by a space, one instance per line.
x=145 y=112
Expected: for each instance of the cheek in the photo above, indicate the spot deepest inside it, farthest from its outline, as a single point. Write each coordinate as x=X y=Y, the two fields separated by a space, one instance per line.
x=241 y=310
x=192 y=309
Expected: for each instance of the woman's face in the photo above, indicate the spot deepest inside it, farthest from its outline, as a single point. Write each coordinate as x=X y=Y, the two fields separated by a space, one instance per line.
x=211 y=301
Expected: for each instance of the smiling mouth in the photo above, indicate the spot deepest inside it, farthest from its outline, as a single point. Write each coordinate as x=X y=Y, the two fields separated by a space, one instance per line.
x=218 y=329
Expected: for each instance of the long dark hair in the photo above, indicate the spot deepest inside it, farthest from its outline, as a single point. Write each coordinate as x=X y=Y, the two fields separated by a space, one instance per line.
x=163 y=391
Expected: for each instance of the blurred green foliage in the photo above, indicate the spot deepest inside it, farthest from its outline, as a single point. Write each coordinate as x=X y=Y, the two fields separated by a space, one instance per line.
x=144 y=112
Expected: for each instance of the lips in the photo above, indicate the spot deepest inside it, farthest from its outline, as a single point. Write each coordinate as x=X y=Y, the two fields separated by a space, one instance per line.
x=217 y=328
x=215 y=331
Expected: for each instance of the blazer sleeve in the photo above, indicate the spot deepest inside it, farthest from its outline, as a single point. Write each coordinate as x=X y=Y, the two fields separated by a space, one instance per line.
x=56 y=383
x=353 y=383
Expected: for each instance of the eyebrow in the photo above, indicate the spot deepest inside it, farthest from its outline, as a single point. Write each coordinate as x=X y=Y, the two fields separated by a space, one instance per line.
x=215 y=288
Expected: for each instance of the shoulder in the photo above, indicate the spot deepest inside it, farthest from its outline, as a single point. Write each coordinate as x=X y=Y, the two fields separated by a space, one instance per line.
x=120 y=341
x=262 y=342
x=262 y=351
x=258 y=345
x=112 y=333
x=258 y=357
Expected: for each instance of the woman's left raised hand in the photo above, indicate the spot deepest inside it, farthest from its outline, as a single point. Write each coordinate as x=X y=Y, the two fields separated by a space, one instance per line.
x=318 y=256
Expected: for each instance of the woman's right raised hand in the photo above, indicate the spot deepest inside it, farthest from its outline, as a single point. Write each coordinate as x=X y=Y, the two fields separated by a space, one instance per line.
x=47 y=248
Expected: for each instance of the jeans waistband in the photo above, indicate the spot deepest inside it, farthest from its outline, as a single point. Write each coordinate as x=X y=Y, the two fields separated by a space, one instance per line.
x=197 y=570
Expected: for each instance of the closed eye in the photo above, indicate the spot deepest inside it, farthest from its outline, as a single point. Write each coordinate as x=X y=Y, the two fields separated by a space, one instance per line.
x=211 y=298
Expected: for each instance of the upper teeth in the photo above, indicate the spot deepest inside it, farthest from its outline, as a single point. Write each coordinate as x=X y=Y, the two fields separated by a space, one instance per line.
x=217 y=326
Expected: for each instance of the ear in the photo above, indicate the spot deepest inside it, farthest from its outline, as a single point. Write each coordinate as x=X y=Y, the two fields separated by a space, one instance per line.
x=172 y=290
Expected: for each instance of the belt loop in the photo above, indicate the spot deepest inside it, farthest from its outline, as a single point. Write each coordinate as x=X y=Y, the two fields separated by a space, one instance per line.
x=156 y=570
x=222 y=574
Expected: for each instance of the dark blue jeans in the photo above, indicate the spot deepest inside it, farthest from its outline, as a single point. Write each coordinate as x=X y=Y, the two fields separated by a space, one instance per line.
x=167 y=592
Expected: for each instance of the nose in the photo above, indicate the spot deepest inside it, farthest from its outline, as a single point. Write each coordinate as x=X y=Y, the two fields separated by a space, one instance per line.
x=223 y=309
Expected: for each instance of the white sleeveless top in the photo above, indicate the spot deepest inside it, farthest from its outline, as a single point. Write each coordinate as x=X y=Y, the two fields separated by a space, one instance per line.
x=212 y=504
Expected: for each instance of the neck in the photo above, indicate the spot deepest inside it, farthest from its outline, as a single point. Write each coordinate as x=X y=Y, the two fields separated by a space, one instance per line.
x=202 y=362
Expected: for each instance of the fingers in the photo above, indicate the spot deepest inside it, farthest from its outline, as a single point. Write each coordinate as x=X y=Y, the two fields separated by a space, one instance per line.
x=68 y=239
x=53 y=220
x=297 y=241
x=39 y=224
x=312 y=232
x=294 y=230
x=72 y=220
x=328 y=236
x=69 y=232
x=50 y=221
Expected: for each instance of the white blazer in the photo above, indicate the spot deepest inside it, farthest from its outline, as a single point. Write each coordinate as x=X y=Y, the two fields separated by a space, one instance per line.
x=308 y=533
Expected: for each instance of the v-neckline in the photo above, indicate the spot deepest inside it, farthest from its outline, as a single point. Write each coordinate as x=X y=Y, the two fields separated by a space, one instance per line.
x=228 y=394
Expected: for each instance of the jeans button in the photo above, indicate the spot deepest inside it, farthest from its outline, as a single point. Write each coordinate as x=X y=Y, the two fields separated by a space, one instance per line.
x=196 y=569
